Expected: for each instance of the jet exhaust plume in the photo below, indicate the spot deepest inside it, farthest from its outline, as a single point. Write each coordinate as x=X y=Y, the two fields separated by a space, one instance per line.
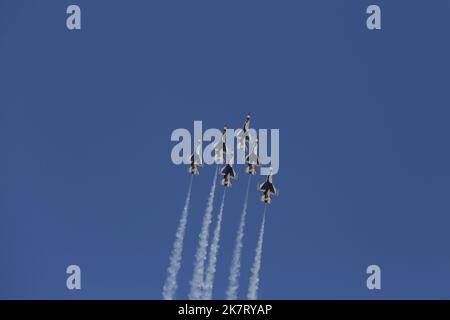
x=254 y=278
x=170 y=285
x=233 y=278
x=213 y=251
x=200 y=257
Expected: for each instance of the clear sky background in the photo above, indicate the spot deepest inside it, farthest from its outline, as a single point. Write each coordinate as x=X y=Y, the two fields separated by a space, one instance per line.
x=86 y=118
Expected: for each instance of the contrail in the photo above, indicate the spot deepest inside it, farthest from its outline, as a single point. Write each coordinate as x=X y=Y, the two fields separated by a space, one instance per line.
x=200 y=256
x=236 y=261
x=254 y=278
x=213 y=250
x=170 y=285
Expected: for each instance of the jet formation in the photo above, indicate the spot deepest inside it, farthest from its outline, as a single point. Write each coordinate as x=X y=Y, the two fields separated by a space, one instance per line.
x=228 y=172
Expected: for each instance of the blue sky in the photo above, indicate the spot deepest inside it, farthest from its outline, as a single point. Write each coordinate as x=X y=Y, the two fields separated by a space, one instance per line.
x=85 y=124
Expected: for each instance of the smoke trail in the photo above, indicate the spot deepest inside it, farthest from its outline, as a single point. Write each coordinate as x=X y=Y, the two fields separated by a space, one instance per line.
x=213 y=250
x=170 y=285
x=236 y=261
x=200 y=256
x=254 y=279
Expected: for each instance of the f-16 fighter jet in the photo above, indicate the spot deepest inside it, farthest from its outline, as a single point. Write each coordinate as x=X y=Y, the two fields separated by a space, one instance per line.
x=228 y=173
x=243 y=134
x=221 y=146
x=195 y=159
x=268 y=189
x=252 y=160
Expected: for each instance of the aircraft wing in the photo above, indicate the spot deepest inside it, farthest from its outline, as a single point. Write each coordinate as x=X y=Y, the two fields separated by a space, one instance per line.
x=263 y=186
x=195 y=158
x=223 y=170
x=252 y=159
x=272 y=189
x=228 y=170
x=218 y=146
x=240 y=134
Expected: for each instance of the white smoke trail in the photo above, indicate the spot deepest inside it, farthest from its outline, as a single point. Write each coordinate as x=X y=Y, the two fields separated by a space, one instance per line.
x=213 y=250
x=233 y=279
x=200 y=256
x=170 y=285
x=254 y=278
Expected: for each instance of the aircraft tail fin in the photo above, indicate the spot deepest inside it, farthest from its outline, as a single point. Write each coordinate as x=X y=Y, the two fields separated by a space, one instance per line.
x=266 y=199
x=194 y=171
x=226 y=182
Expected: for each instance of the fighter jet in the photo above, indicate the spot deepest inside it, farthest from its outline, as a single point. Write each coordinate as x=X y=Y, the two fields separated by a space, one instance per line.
x=195 y=159
x=252 y=159
x=243 y=134
x=268 y=189
x=228 y=173
x=221 y=146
